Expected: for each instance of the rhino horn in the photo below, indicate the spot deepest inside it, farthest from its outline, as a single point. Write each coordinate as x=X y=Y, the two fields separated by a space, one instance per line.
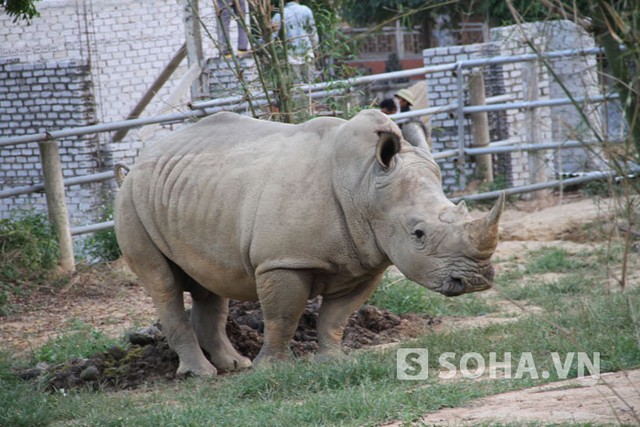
x=483 y=232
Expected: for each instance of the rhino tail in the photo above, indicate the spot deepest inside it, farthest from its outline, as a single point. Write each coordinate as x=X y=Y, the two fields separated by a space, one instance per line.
x=118 y=171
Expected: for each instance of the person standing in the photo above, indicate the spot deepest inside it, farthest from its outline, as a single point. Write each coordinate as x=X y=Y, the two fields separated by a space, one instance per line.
x=388 y=106
x=226 y=9
x=301 y=36
x=405 y=99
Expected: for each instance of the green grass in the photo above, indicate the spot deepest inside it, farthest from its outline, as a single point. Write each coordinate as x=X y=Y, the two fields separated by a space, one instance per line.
x=81 y=340
x=404 y=296
x=556 y=260
x=579 y=315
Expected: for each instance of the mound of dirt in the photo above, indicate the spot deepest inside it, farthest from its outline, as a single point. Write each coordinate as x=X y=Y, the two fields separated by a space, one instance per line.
x=148 y=358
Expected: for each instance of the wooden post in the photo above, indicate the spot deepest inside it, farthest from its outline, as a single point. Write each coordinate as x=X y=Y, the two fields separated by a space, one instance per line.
x=56 y=203
x=193 y=41
x=480 y=121
x=535 y=158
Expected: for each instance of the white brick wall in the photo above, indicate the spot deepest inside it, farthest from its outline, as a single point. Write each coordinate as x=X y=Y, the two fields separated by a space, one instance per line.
x=127 y=44
x=578 y=74
x=47 y=96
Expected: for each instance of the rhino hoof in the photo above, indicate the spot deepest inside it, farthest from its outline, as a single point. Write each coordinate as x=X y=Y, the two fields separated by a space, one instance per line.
x=238 y=364
x=204 y=371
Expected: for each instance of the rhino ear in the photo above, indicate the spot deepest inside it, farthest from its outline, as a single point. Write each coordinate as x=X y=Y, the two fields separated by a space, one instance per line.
x=388 y=146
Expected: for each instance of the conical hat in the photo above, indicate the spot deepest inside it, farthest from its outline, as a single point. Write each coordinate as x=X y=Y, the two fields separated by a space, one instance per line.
x=406 y=95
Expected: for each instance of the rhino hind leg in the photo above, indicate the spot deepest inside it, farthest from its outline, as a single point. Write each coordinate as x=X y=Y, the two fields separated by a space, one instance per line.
x=163 y=284
x=166 y=290
x=209 y=319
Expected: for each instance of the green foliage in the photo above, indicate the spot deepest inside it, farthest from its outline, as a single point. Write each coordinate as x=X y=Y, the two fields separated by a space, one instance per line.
x=335 y=47
x=599 y=188
x=28 y=251
x=103 y=245
x=276 y=75
x=28 y=246
x=20 y=9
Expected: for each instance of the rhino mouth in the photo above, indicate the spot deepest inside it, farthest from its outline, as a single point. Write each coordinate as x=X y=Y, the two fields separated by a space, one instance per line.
x=453 y=286
x=457 y=284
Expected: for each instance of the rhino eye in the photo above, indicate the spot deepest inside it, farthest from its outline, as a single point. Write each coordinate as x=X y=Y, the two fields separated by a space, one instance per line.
x=419 y=237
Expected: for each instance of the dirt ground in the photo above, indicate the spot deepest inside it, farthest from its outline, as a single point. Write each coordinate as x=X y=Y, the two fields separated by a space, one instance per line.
x=612 y=399
x=108 y=299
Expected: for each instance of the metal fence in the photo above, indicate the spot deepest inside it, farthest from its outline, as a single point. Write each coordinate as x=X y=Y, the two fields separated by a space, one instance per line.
x=318 y=90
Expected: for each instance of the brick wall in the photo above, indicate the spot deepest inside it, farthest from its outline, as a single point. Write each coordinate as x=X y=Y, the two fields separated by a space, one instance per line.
x=114 y=47
x=127 y=43
x=443 y=90
x=578 y=74
x=223 y=77
x=46 y=96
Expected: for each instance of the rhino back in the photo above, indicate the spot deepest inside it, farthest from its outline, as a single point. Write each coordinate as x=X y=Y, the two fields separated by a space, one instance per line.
x=230 y=193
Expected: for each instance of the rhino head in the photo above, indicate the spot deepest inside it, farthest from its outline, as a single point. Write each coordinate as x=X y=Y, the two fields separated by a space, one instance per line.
x=429 y=239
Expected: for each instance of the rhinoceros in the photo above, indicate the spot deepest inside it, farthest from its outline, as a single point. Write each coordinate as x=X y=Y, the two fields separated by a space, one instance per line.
x=238 y=208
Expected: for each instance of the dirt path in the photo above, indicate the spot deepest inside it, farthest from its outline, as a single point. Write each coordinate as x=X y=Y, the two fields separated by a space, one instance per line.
x=612 y=399
x=104 y=297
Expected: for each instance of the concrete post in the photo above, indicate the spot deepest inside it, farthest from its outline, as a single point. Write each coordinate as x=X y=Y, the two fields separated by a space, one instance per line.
x=536 y=162
x=480 y=121
x=56 y=202
x=399 y=40
x=193 y=42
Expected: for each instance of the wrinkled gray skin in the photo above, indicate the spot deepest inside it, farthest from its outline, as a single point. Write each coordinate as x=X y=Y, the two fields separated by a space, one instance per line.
x=233 y=207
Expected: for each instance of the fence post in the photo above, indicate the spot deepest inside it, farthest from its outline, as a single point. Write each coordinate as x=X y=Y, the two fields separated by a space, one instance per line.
x=191 y=12
x=56 y=203
x=535 y=158
x=399 y=40
x=480 y=121
x=462 y=177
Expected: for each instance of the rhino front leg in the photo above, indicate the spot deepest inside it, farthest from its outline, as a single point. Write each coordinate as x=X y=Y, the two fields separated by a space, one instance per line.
x=209 y=320
x=283 y=295
x=335 y=312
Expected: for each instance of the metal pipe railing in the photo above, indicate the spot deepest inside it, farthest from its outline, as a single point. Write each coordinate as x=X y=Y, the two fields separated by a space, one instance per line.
x=102 y=127
x=92 y=228
x=205 y=108
x=468 y=63
x=337 y=87
x=77 y=180
x=592 y=176
x=510 y=147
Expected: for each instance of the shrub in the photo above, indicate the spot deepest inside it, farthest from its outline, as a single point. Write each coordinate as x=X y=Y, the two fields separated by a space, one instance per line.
x=28 y=250
x=28 y=246
x=102 y=245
